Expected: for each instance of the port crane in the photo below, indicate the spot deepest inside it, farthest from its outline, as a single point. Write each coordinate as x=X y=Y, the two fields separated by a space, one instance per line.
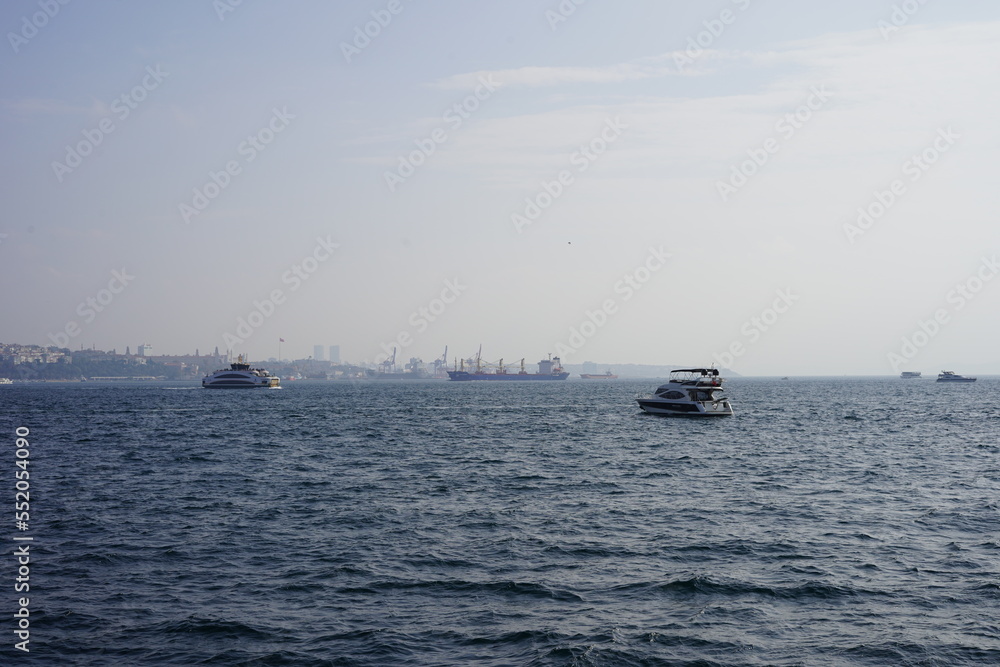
x=389 y=365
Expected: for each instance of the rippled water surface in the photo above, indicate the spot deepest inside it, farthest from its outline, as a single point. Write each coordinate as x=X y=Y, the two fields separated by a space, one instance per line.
x=829 y=522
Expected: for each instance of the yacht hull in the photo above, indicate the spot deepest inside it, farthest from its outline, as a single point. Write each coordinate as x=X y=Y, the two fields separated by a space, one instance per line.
x=685 y=408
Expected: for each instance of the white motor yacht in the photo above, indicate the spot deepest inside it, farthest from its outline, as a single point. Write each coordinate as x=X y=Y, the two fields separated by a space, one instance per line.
x=692 y=392
x=239 y=375
x=952 y=376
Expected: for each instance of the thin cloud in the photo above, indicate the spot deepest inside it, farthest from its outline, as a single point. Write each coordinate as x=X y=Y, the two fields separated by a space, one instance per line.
x=820 y=52
x=667 y=64
x=41 y=106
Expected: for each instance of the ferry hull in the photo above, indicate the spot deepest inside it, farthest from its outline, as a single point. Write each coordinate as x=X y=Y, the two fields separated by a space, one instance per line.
x=236 y=384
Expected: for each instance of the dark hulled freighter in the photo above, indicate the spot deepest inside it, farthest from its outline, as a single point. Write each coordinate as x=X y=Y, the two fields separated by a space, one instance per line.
x=548 y=369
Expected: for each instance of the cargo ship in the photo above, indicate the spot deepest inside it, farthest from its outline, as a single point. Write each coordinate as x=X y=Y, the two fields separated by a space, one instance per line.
x=548 y=369
x=607 y=375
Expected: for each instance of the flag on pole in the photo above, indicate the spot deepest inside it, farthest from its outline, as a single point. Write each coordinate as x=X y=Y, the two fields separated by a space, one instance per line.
x=281 y=340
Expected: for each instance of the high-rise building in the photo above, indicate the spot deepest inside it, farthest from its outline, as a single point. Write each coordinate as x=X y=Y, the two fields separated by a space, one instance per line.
x=335 y=354
x=318 y=352
x=143 y=349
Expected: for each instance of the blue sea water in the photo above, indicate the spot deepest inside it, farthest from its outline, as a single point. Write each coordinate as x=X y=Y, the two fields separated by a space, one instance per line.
x=847 y=521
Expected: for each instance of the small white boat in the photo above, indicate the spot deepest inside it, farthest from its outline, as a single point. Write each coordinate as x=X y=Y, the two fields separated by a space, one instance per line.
x=6 y=381
x=239 y=375
x=952 y=376
x=692 y=392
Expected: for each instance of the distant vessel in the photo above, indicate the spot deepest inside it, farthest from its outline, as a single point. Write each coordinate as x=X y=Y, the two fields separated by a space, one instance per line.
x=909 y=375
x=405 y=375
x=239 y=375
x=441 y=366
x=414 y=370
x=548 y=369
x=6 y=381
x=607 y=375
x=691 y=392
x=951 y=376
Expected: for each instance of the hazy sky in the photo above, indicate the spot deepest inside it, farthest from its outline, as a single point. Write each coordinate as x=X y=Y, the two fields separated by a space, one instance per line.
x=645 y=182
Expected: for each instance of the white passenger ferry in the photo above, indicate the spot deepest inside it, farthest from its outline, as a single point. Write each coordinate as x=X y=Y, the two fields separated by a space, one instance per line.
x=239 y=375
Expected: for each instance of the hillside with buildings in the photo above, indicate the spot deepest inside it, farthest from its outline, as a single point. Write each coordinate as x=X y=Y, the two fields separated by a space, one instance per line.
x=39 y=363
